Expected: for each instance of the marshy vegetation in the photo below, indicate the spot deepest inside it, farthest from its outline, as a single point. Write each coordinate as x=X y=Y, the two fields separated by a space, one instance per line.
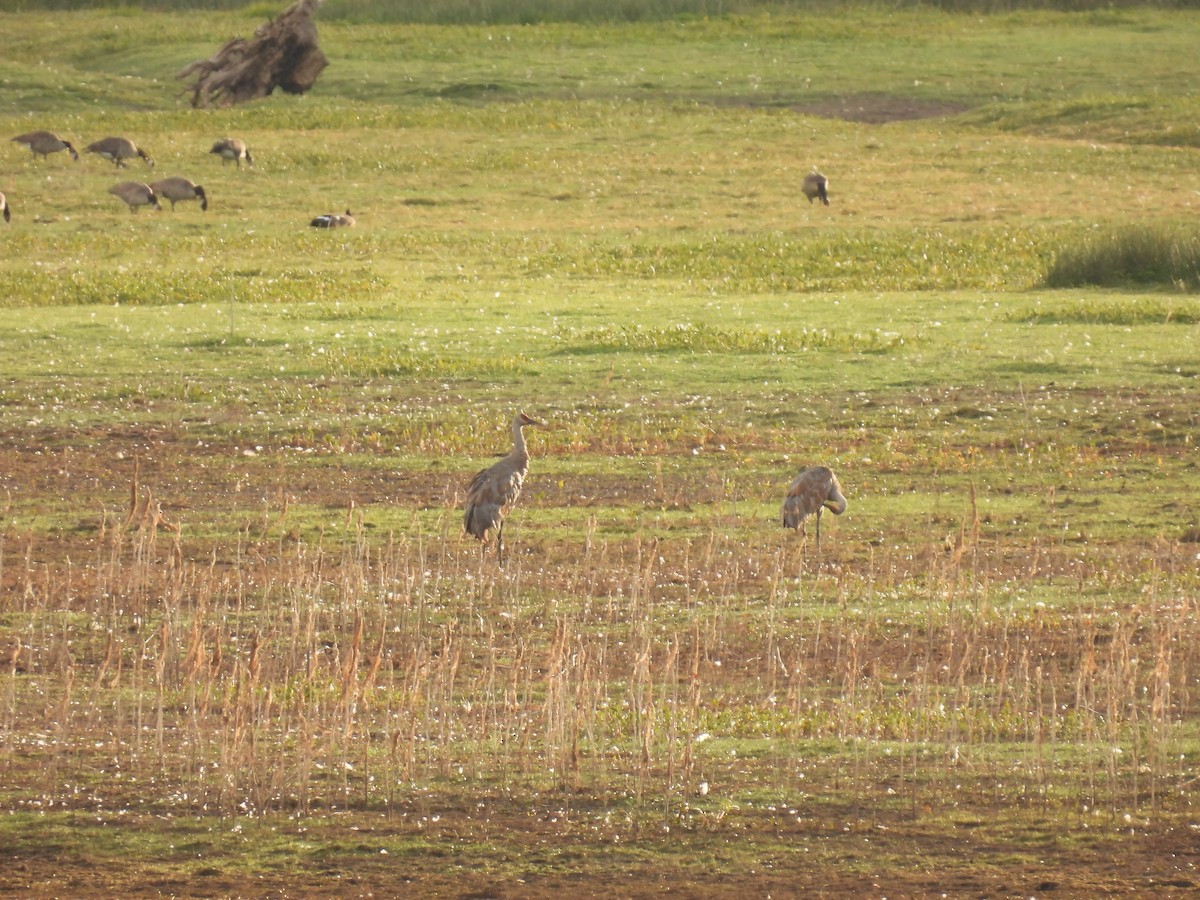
x=1132 y=255
x=242 y=639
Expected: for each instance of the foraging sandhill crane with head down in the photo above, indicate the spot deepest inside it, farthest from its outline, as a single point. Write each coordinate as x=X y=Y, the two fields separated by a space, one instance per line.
x=176 y=189
x=815 y=488
x=135 y=194
x=333 y=220
x=5 y=208
x=816 y=185
x=118 y=149
x=45 y=143
x=494 y=490
x=232 y=149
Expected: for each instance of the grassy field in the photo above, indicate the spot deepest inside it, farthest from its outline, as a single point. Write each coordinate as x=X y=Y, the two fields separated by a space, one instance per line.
x=245 y=649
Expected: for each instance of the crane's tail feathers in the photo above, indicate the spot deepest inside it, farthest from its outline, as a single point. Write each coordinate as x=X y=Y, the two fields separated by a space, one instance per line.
x=473 y=525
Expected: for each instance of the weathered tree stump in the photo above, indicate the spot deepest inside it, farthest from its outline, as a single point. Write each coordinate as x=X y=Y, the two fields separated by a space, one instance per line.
x=283 y=53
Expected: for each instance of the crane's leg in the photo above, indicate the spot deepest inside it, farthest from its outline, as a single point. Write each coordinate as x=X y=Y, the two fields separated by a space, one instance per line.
x=818 y=529
x=500 y=544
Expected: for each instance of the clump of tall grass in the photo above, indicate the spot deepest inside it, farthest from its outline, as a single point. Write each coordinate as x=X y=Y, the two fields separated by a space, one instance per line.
x=1135 y=255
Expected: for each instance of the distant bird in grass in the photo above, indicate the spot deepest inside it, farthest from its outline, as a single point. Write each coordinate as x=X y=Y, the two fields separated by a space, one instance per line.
x=5 y=208
x=232 y=149
x=118 y=149
x=332 y=220
x=44 y=143
x=493 y=491
x=135 y=194
x=816 y=185
x=176 y=189
x=815 y=488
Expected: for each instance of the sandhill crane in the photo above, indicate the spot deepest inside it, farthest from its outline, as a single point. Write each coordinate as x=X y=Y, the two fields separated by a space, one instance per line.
x=333 y=220
x=176 y=189
x=44 y=143
x=816 y=185
x=493 y=491
x=815 y=488
x=118 y=149
x=5 y=208
x=232 y=149
x=136 y=194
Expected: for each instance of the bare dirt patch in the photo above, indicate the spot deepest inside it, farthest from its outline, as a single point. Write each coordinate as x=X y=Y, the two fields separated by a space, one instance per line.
x=879 y=108
x=515 y=855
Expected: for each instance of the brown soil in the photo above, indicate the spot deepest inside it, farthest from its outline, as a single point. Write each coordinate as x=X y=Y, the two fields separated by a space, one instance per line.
x=879 y=108
x=524 y=849
x=516 y=857
x=868 y=108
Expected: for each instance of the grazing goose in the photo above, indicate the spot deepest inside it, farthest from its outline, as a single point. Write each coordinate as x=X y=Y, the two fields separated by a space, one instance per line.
x=816 y=185
x=5 y=207
x=45 y=143
x=232 y=148
x=176 y=189
x=136 y=194
x=332 y=220
x=118 y=149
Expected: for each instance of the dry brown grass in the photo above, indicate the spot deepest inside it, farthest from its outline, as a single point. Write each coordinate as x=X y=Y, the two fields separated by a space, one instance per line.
x=292 y=676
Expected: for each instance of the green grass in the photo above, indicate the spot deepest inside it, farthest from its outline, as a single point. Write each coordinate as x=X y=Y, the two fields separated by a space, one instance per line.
x=1133 y=255
x=242 y=640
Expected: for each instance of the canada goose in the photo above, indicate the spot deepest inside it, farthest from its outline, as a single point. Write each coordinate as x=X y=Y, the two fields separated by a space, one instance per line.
x=4 y=206
x=175 y=189
x=118 y=149
x=232 y=148
x=332 y=220
x=814 y=186
x=45 y=143
x=136 y=194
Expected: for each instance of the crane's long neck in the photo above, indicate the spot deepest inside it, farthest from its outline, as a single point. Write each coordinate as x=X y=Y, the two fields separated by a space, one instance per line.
x=519 y=448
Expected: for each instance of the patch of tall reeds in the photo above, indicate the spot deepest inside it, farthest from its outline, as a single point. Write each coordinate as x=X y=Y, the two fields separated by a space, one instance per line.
x=1132 y=255
x=672 y=677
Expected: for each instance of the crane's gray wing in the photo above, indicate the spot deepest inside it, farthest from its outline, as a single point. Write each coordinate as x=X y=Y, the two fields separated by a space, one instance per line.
x=804 y=497
x=490 y=495
x=796 y=508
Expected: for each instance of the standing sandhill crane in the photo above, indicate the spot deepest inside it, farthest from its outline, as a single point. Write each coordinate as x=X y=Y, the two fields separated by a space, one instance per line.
x=493 y=491
x=816 y=185
x=232 y=148
x=4 y=206
x=814 y=489
x=136 y=194
x=333 y=220
x=118 y=149
x=45 y=143
x=176 y=189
